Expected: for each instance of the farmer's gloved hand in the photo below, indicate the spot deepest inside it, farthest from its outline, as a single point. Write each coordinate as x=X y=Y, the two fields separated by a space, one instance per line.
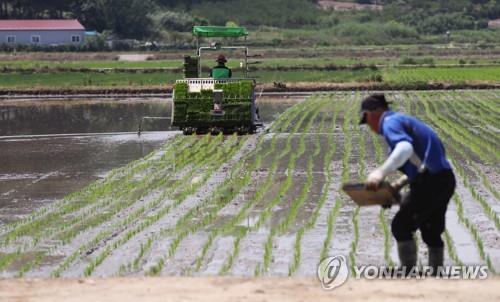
x=374 y=179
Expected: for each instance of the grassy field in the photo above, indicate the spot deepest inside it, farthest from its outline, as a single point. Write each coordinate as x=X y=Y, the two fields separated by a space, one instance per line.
x=267 y=204
x=399 y=66
x=114 y=79
x=390 y=76
x=451 y=75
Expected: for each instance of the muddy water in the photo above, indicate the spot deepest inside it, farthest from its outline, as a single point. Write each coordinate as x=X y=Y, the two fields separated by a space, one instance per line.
x=55 y=117
x=35 y=171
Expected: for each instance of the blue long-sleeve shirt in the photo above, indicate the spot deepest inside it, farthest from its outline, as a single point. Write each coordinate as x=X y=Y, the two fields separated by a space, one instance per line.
x=397 y=127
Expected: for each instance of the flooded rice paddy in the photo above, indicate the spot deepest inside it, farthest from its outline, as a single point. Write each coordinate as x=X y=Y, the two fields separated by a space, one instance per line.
x=262 y=205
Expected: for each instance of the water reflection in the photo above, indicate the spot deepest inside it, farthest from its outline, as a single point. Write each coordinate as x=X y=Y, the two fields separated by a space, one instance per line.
x=54 y=117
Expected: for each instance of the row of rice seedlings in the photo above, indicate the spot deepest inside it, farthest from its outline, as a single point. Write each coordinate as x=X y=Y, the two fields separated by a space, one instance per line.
x=490 y=212
x=240 y=176
x=462 y=218
x=471 y=164
x=132 y=192
x=123 y=224
x=461 y=135
x=348 y=115
x=222 y=190
x=482 y=117
x=464 y=126
x=491 y=104
x=489 y=120
x=228 y=150
x=327 y=163
x=74 y=201
x=7 y=259
x=285 y=187
x=127 y=220
x=474 y=232
x=451 y=249
x=468 y=114
x=47 y=234
x=297 y=202
x=314 y=111
x=242 y=232
x=221 y=196
x=102 y=211
x=37 y=260
x=361 y=175
x=286 y=118
x=208 y=210
x=56 y=218
x=382 y=213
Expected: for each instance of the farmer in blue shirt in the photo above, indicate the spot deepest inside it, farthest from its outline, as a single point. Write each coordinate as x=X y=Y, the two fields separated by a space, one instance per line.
x=419 y=154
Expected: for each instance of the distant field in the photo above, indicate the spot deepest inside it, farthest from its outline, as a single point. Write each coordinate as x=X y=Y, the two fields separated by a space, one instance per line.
x=401 y=66
x=453 y=75
x=81 y=79
x=395 y=76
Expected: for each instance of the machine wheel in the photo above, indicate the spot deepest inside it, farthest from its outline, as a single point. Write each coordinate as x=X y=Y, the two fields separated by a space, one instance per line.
x=242 y=130
x=215 y=130
x=201 y=131
x=188 y=131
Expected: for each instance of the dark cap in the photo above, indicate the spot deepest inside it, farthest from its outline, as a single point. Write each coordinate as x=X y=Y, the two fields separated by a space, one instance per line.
x=372 y=103
x=221 y=59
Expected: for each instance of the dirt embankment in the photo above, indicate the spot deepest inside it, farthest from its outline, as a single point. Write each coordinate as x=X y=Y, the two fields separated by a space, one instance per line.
x=219 y=289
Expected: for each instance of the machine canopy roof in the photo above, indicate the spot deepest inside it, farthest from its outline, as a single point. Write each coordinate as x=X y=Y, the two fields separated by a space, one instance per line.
x=219 y=31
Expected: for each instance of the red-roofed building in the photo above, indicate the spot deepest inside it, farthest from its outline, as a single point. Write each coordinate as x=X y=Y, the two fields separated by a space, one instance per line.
x=41 y=32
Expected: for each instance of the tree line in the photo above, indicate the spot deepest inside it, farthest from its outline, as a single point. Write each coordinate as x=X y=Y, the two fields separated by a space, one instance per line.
x=149 y=18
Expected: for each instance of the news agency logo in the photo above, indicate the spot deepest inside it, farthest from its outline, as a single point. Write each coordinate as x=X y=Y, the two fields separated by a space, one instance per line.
x=333 y=272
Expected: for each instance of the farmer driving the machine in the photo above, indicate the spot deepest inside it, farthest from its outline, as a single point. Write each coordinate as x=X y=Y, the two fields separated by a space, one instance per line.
x=221 y=71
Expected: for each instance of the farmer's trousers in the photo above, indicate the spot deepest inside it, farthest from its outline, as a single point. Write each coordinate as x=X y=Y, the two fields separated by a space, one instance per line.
x=424 y=208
